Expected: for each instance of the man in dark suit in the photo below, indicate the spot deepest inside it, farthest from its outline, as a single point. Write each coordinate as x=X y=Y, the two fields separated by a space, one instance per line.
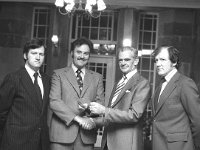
x=176 y=105
x=24 y=103
x=72 y=89
x=122 y=117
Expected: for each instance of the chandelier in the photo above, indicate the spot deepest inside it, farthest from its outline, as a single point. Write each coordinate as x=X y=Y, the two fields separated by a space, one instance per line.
x=89 y=7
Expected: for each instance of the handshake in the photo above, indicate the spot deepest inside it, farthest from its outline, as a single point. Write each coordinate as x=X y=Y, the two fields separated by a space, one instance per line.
x=85 y=122
x=91 y=110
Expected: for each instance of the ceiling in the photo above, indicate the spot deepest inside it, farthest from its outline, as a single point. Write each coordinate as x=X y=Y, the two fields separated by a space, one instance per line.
x=134 y=3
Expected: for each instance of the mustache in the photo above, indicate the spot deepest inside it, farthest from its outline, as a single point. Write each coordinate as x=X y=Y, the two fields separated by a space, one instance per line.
x=81 y=59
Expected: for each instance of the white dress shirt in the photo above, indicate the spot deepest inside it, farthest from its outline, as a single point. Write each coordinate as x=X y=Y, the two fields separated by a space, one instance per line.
x=167 y=79
x=31 y=74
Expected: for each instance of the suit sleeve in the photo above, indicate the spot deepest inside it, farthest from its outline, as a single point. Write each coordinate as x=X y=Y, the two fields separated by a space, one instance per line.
x=100 y=91
x=133 y=114
x=7 y=90
x=191 y=102
x=57 y=105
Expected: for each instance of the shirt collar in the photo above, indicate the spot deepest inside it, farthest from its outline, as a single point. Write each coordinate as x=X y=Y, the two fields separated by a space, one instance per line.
x=75 y=69
x=130 y=74
x=170 y=74
x=31 y=71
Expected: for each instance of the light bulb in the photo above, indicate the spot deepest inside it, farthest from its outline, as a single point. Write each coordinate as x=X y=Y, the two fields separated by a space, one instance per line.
x=59 y=3
x=54 y=39
x=69 y=1
x=101 y=5
x=91 y=2
x=127 y=42
x=88 y=8
x=69 y=7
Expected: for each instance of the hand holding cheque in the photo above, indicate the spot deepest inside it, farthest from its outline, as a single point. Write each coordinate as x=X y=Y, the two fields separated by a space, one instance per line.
x=86 y=122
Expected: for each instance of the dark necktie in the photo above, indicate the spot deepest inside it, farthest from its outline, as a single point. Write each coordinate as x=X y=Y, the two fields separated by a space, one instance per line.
x=37 y=88
x=79 y=79
x=157 y=94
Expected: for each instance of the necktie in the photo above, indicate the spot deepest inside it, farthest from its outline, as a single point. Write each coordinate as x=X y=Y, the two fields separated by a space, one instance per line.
x=118 y=89
x=157 y=94
x=79 y=79
x=37 y=88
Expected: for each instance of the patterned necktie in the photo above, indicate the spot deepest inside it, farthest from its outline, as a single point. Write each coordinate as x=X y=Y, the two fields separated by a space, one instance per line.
x=118 y=89
x=79 y=79
x=157 y=94
x=37 y=88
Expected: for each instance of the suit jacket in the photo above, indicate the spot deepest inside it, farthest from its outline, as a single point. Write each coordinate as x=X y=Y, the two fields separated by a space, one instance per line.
x=123 y=121
x=26 y=116
x=176 y=121
x=64 y=97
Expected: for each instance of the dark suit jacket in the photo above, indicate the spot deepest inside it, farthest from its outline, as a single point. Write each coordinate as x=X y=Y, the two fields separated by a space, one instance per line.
x=122 y=121
x=64 y=97
x=176 y=121
x=26 y=116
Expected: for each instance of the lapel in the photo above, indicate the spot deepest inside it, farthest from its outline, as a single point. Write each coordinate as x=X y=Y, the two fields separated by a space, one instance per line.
x=167 y=91
x=29 y=87
x=71 y=77
x=46 y=86
x=87 y=81
x=153 y=100
x=112 y=93
x=130 y=84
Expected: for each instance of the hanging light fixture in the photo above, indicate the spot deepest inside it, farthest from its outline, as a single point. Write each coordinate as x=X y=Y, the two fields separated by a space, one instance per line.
x=91 y=7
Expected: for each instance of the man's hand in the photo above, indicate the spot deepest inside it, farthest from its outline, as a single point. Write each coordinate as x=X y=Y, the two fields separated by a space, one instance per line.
x=90 y=124
x=85 y=122
x=97 y=108
x=82 y=106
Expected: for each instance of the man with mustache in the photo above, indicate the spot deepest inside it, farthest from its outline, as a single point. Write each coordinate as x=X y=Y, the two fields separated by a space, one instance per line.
x=72 y=89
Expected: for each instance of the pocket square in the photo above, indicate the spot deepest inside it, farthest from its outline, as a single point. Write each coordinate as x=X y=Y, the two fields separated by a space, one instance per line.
x=127 y=91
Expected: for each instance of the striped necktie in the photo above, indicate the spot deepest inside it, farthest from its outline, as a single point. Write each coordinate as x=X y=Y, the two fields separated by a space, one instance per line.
x=118 y=89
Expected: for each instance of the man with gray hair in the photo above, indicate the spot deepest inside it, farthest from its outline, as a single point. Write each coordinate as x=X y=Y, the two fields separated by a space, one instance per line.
x=122 y=116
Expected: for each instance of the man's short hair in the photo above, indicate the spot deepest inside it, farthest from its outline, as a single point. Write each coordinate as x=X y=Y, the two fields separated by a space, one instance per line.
x=81 y=41
x=174 y=54
x=32 y=44
x=135 y=51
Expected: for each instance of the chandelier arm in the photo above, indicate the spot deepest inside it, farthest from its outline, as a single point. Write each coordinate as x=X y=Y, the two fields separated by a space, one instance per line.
x=61 y=12
x=95 y=16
